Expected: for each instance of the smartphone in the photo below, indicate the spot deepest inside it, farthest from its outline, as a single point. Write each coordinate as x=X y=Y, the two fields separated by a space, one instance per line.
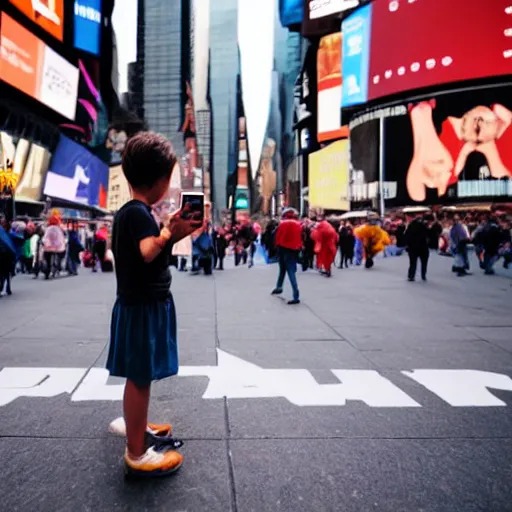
x=192 y=206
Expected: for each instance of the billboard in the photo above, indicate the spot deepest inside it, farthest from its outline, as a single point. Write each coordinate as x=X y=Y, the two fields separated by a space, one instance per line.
x=452 y=148
x=119 y=192
x=48 y=14
x=444 y=149
x=76 y=175
x=364 y=160
x=91 y=123
x=29 y=164
x=329 y=88
x=34 y=68
x=328 y=177
x=355 y=56
x=400 y=53
x=323 y=16
x=87 y=21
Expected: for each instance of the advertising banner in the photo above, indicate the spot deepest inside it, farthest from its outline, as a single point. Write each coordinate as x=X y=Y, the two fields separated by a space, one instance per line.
x=29 y=163
x=119 y=192
x=87 y=18
x=76 y=175
x=323 y=16
x=329 y=89
x=91 y=118
x=35 y=69
x=328 y=177
x=355 y=56
x=48 y=14
x=364 y=160
x=402 y=54
x=452 y=148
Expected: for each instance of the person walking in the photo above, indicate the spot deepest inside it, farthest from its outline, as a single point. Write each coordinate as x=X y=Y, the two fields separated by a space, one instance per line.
x=288 y=243
x=308 y=251
x=459 y=238
x=417 y=242
x=326 y=246
x=220 y=245
x=182 y=250
x=346 y=244
x=493 y=239
x=54 y=243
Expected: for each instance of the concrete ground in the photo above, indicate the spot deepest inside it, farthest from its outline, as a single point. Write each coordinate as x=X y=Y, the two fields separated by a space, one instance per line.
x=318 y=407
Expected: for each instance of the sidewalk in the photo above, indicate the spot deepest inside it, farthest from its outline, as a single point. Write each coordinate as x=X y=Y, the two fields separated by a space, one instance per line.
x=292 y=433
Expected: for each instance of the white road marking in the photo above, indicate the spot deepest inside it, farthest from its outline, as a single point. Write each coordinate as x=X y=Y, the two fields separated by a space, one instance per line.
x=37 y=382
x=235 y=378
x=463 y=388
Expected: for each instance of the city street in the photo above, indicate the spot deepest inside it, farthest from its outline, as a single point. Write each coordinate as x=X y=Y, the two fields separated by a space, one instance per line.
x=373 y=394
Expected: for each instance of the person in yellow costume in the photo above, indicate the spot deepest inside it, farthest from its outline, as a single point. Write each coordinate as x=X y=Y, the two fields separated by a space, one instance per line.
x=373 y=239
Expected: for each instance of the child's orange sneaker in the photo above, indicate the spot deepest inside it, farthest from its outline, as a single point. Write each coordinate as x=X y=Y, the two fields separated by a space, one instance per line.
x=153 y=463
x=118 y=427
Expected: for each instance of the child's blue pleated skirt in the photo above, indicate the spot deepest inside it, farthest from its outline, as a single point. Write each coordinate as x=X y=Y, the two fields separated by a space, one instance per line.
x=143 y=341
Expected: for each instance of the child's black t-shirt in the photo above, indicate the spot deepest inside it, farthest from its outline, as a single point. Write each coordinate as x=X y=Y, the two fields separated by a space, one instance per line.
x=138 y=281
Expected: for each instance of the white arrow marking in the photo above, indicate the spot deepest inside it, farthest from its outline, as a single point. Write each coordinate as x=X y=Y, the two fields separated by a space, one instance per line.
x=94 y=387
x=37 y=382
x=237 y=378
x=463 y=388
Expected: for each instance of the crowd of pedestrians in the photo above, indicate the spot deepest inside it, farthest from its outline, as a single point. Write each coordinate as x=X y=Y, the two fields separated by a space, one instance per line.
x=50 y=248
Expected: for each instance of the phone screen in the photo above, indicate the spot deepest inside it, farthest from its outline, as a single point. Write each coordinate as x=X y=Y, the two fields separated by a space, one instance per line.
x=192 y=207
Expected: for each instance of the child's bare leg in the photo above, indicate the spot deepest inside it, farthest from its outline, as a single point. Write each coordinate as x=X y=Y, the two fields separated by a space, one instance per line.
x=135 y=407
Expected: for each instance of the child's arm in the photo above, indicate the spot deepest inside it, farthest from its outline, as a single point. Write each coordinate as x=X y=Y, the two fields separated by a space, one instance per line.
x=152 y=246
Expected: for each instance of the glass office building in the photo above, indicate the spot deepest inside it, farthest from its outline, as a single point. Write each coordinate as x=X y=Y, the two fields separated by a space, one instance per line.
x=223 y=90
x=163 y=107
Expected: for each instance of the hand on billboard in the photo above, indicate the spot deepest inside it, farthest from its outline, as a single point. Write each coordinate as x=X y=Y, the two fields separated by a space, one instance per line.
x=480 y=128
x=504 y=116
x=496 y=166
x=432 y=164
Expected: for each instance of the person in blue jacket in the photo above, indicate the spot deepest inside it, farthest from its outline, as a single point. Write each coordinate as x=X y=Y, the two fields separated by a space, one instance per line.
x=202 y=251
x=7 y=259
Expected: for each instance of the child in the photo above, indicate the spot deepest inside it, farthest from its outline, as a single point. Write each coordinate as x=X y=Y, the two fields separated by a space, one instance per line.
x=143 y=345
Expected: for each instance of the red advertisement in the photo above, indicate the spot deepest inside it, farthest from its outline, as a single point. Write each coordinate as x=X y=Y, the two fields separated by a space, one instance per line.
x=421 y=43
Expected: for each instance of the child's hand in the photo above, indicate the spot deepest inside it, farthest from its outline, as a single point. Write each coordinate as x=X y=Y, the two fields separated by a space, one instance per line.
x=165 y=234
x=181 y=228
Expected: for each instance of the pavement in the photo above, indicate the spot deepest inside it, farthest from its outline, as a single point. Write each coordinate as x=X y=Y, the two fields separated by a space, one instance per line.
x=374 y=394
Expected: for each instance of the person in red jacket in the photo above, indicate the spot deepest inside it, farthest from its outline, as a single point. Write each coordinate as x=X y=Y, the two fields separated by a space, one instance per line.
x=326 y=245
x=289 y=244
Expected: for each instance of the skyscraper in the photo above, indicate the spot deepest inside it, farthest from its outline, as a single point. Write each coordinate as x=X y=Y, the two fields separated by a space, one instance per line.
x=163 y=85
x=223 y=90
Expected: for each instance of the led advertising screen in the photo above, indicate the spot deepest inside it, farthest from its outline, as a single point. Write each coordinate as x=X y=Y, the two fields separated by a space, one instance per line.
x=322 y=17
x=29 y=162
x=77 y=175
x=452 y=148
x=35 y=69
x=328 y=177
x=441 y=149
x=329 y=88
x=422 y=43
x=355 y=55
x=87 y=17
x=48 y=14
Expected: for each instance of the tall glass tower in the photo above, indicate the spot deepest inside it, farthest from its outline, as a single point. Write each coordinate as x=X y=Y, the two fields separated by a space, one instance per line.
x=223 y=90
x=163 y=85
